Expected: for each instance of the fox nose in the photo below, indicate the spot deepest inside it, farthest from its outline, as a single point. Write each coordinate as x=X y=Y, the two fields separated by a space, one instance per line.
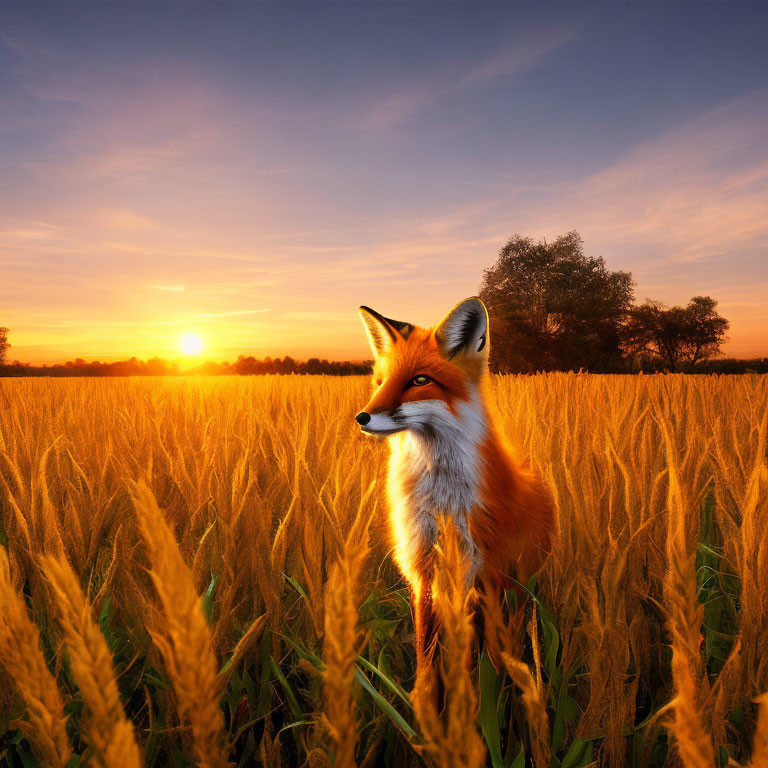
x=363 y=418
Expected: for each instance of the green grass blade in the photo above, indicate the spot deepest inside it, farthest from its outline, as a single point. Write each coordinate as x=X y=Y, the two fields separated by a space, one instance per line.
x=388 y=681
x=489 y=721
x=383 y=704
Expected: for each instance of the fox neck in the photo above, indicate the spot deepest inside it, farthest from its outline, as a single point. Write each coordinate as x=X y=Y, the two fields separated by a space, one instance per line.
x=437 y=471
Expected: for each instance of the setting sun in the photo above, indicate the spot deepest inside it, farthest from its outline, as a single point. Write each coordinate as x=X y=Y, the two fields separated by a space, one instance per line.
x=191 y=344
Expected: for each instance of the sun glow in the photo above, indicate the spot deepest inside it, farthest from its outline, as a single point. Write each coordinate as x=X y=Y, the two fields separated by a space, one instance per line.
x=191 y=344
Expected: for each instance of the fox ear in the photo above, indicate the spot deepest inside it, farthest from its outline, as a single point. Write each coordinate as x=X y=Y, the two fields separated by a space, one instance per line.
x=381 y=331
x=464 y=330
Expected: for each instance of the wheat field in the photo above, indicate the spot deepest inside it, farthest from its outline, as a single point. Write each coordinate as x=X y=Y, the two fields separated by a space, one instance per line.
x=195 y=572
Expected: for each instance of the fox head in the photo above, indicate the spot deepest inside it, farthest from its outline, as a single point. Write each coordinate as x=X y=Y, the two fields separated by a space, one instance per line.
x=422 y=376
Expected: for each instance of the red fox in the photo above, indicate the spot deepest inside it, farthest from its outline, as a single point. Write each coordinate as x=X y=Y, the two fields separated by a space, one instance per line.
x=446 y=457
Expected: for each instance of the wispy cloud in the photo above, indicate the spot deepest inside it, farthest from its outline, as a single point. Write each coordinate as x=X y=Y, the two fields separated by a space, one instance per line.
x=235 y=314
x=519 y=56
x=36 y=232
x=120 y=220
x=692 y=194
x=137 y=162
x=171 y=288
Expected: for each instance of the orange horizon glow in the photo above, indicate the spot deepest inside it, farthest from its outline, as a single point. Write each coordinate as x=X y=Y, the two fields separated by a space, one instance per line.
x=217 y=345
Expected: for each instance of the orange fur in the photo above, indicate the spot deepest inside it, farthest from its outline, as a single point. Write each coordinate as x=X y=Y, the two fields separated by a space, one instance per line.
x=512 y=522
x=417 y=354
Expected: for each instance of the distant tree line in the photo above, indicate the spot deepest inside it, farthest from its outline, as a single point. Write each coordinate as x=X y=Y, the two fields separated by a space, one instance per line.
x=733 y=365
x=286 y=365
x=244 y=366
x=553 y=308
x=249 y=366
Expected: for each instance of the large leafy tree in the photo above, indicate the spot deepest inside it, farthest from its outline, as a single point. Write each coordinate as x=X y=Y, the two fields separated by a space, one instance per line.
x=552 y=307
x=676 y=336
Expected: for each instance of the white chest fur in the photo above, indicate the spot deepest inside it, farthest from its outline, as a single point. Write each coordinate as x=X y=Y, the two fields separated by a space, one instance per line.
x=434 y=471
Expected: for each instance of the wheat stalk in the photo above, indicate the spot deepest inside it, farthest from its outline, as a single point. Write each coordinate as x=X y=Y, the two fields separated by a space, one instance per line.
x=684 y=622
x=180 y=632
x=269 y=749
x=452 y=740
x=342 y=640
x=107 y=730
x=502 y=645
x=23 y=659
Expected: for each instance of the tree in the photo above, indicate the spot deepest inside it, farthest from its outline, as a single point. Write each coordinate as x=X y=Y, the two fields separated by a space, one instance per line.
x=707 y=329
x=554 y=308
x=4 y=345
x=676 y=335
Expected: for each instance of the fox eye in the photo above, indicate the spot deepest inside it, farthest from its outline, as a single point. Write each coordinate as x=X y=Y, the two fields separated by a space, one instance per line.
x=419 y=381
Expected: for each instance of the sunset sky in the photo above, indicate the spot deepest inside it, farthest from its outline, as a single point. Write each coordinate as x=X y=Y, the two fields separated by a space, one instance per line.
x=251 y=173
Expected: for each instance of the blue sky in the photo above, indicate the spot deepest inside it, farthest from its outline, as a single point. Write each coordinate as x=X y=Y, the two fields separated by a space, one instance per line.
x=254 y=172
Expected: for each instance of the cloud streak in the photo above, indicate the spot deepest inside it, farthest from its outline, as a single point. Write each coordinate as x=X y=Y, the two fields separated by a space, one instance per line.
x=692 y=194
x=512 y=61
x=237 y=313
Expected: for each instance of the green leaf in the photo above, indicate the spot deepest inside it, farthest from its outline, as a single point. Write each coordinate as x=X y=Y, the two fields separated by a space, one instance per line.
x=292 y=701
x=295 y=584
x=736 y=716
x=519 y=761
x=244 y=727
x=566 y=709
x=708 y=550
x=263 y=703
x=383 y=628
x=489 y=722
x=391 y=684
x=383 y=704
x=382 y=662
x=27 y=760
x=104 y=615
x=551 y=647
x=151 y=677
x=74 y=706
x=578 y=755
x=250 y=691
x=208 y=598
x=294 y=725
x=304 y=652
